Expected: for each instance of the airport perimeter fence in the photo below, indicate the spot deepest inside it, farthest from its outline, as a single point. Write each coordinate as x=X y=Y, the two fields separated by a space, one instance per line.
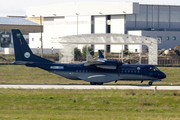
x=162 y=61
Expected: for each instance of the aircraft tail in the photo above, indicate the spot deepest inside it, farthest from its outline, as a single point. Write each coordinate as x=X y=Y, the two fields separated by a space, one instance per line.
x=23 y=53
x=101 y=56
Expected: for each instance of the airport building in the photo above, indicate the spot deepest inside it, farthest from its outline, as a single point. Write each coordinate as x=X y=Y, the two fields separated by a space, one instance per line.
x=15 y=22
x=157 y=21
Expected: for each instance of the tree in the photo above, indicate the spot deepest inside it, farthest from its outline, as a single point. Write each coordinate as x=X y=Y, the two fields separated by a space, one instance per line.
x=126 y=52
x=77 y=54
x=90 y=49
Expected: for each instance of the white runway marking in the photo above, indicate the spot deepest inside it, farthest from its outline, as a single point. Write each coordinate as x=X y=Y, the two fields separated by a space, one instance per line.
x=90 y=87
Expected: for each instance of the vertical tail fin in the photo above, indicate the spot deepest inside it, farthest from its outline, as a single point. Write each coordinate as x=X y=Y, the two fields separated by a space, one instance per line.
x=101 y=56
x=23 y=53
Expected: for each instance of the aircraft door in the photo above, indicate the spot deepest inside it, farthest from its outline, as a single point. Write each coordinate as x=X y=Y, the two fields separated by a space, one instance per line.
x=118 y=71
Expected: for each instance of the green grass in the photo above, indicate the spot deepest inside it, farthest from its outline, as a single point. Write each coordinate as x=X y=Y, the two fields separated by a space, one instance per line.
x=20 y=74
x=89 y=104
x=29 y=104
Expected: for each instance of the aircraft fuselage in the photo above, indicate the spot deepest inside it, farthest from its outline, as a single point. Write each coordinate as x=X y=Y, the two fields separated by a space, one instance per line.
x=95 y=74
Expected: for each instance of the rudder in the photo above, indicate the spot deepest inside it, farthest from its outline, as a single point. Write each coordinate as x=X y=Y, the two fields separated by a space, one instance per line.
x=22 y=51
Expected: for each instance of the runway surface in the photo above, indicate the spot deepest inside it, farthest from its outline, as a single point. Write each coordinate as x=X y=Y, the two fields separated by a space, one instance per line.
x=159 y=87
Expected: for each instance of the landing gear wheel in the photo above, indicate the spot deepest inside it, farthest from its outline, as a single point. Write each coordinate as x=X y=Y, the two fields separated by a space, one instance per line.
x=150 y=83
x=99 y=83
x=93 y=83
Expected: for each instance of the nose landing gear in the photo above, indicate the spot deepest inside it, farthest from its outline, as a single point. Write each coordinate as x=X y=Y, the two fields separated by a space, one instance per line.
x=150 y=83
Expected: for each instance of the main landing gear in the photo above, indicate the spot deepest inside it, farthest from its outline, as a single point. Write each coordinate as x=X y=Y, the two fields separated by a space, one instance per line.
x=96 y=83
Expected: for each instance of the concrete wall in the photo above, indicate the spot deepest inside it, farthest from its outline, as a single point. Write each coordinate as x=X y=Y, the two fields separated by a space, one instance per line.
x=99 y=27
x=76 y=18
x=83 y=26
x=133 y=48
x=169 y=39
x=117 y=26
x=84 y=8
x=55 y=27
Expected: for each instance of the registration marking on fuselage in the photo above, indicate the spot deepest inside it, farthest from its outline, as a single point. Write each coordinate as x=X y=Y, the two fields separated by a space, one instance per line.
x=57 y=67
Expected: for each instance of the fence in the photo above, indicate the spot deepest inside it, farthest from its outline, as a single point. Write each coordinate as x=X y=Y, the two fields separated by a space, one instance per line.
x=162 y=61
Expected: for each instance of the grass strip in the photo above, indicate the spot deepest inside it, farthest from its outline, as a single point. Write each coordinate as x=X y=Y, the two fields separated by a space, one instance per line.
x=89 y=104
x=20 y=74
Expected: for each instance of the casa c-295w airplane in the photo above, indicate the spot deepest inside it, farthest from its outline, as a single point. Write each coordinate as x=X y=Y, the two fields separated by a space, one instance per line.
x=96 y=72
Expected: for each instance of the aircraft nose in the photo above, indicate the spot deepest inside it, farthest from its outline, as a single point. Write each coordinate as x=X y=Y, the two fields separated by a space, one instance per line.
x=163 y=75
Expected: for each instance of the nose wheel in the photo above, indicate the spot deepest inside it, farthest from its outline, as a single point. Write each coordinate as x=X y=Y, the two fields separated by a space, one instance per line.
x=150 y=83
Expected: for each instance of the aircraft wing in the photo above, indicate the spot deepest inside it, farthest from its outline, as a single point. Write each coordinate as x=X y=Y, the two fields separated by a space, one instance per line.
x=91 y=61
x=94 y=62
x=23 y=62
x=101 y=62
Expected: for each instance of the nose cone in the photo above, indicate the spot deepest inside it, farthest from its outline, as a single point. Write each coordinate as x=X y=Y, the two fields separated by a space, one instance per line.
x=162 y=75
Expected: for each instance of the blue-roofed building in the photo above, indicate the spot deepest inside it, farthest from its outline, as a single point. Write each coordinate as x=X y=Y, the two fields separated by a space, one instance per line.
x=25 y=25
x=17 y=22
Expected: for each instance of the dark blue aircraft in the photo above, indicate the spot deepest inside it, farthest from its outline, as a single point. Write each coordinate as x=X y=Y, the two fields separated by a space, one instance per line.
x=94 y=71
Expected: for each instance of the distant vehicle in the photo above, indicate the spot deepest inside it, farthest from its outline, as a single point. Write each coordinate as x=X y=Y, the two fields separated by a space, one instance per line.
x=173 y=51
x=96 y=72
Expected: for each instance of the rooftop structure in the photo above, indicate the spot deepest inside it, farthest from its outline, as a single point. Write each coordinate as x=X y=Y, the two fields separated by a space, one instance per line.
x=16 y=21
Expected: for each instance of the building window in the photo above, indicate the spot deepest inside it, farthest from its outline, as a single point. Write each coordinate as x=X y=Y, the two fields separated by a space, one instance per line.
x=167 y=37
x=159 y=37
x=174 y=38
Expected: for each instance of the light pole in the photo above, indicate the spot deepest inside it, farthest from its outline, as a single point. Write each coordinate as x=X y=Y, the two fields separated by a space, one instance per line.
x=77 y=22
x=77 y=30
x=41 y=37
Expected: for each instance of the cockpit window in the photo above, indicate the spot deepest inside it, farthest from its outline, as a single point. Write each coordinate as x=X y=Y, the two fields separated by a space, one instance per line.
x=152 y=69
x=156 y=69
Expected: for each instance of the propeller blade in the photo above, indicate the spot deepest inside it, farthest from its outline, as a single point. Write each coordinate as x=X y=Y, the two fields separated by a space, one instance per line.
x=119 y=63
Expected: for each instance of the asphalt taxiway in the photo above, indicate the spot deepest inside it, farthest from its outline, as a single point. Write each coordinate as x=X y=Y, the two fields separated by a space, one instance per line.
x=158 y=87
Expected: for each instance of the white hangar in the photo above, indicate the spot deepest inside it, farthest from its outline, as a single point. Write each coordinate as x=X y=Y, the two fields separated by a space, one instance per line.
x=157 y=21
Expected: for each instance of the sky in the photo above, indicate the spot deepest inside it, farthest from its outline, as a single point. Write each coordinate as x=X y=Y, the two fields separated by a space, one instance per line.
x=18 y=7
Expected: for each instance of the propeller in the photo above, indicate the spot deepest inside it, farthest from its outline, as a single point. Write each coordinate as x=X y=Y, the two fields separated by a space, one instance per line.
x=119 y=63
